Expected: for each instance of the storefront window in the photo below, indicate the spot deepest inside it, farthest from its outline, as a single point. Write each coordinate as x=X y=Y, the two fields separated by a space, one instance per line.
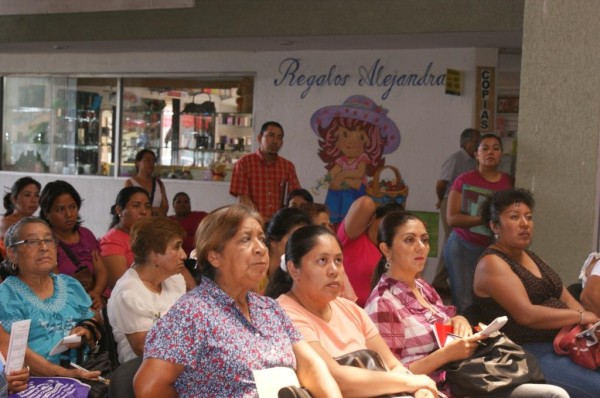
x=193 y=125
x=96 y=126
x=57 y=125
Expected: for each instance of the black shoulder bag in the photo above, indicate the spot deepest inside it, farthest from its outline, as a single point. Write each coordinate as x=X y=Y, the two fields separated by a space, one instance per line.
x=497 y=364
x=153 y=191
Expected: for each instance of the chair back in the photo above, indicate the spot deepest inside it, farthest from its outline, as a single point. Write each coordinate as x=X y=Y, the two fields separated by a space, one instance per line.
x=121 y=380
x=109 y=343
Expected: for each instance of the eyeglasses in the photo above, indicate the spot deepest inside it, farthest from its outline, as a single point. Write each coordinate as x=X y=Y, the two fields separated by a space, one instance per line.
x=50 y=242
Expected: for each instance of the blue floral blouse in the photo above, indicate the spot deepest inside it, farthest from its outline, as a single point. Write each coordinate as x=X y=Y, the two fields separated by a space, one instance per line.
x=206 y=332
x=52 y=318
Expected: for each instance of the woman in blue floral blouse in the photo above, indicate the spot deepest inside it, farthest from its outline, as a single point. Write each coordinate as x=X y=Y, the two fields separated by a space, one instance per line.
x=210 y=341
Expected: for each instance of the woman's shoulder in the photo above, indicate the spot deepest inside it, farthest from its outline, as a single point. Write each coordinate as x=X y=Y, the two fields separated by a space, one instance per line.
x=71 y=283
x=128 y=281
x=175 y=283
x=115 y=235
x=86 y=233
x=8 y=286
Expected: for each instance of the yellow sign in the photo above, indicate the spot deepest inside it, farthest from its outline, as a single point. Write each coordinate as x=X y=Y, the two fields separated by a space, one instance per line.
x=454 y=82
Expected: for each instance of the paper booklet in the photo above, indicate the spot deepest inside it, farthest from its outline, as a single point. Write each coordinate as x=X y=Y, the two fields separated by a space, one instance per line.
x=443 y=334
x=19 y=334
x=61 y=345
x=473 y=199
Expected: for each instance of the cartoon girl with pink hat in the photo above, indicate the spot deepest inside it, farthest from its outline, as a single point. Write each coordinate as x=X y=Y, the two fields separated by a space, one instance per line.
x=353 y=137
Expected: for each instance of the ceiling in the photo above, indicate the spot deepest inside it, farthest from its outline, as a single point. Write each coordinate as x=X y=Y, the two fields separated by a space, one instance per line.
x=510 y=41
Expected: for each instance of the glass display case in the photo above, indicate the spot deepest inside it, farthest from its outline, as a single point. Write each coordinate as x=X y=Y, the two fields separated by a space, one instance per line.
x=55 y=125
x=192 y=138
x=96 y=126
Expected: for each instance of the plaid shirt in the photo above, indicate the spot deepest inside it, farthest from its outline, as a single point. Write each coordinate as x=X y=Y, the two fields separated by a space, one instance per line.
x=263 y=182
x=404 y=324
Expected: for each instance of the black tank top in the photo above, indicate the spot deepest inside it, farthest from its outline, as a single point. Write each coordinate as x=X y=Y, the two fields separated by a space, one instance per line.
x=544 y=291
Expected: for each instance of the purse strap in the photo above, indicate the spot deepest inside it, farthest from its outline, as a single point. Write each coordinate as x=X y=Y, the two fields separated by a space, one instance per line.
x=153 y=191
x=71 y=256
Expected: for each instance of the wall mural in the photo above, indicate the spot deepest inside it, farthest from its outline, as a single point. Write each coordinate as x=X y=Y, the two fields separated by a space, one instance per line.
x=353 y=137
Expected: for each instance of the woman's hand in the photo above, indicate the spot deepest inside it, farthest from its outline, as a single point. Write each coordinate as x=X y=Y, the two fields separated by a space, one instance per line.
x=421 y=383
x=461 y=348
x=17 y=380
x=86 y=338
x=97 y=300
x=84 y=374
x=461 y=327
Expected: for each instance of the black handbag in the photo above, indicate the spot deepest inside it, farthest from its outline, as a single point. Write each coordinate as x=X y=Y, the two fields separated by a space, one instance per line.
x=205 y=107
x=367 y=359
x=498 y=363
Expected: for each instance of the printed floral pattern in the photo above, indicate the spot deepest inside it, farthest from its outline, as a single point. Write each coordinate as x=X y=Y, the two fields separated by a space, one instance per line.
x=206 y=332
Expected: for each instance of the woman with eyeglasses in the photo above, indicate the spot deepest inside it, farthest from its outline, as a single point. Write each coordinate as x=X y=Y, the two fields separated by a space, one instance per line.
x=78 y=251
x=57 y=305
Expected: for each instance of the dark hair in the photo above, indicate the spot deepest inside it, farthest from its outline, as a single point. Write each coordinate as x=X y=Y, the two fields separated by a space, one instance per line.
x=467 y=135
x=303 y=193
x=266 y=125
x=500 y=200
x=283 y=221
x=313 y=209
x=140 y=155
x=300 y=242
x=13 y=235
x=489 y=135
x=180 y=194
x=385 y=234
x=386 y=208
x=15 y=190
x=216 y=229
x=53 y=190
x=152 y=234
x=123 y=198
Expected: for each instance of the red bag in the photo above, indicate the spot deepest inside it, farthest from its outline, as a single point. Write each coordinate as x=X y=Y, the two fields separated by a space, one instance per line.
x=584 y=351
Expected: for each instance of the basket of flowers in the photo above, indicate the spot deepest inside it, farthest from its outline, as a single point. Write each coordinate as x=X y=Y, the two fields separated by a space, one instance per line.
x=384 y=190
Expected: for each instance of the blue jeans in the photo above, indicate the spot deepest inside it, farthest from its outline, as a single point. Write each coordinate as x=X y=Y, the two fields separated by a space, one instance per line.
x=461 y=258
x=561 y=371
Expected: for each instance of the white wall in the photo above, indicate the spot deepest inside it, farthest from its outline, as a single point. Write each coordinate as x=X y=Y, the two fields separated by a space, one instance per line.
x=429 y=120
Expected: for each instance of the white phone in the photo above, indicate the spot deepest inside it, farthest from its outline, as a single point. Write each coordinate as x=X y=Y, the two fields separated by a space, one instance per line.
x=494 y=326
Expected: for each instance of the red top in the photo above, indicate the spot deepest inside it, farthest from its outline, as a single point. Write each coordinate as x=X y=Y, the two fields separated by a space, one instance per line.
x=190 y=224
x=263 y=182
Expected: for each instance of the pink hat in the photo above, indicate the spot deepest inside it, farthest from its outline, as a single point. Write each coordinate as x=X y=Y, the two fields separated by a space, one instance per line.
x=363 y=108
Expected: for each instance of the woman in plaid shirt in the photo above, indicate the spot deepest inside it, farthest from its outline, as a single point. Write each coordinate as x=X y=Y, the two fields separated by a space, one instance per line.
x=404 y=307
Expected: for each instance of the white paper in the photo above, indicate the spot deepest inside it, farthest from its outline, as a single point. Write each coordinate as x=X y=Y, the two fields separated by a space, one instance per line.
x=17 y=346
x=270 y=381
x=61 y=347
x=494 y=326
x=590 y=334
